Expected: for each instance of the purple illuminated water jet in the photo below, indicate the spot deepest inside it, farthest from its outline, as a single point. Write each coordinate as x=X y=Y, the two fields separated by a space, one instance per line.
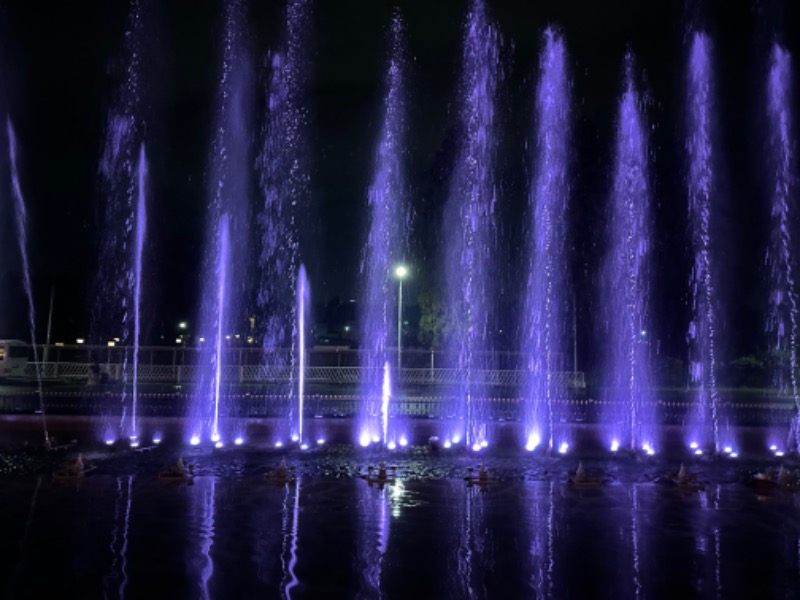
x=703 y=425
x=386 y=244
x=628 y=410
x=226 y=267
x=546 y=290
x=303 y=305
x=285 y=191
x=21 y=218
x=781 y=257
x=141 y=225
x=469 y=230
x=118 y=280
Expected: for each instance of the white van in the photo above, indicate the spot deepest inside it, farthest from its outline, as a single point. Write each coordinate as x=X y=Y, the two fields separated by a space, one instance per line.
x=13 y=358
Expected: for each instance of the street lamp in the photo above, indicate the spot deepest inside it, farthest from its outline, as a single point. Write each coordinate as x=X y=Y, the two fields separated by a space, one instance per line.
x=400 y=271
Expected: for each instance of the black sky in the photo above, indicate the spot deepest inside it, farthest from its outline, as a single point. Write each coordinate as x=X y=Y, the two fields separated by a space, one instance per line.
x=60 y=65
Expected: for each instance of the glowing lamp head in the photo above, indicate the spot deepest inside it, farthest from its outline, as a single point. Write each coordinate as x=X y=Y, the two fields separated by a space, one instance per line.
x=295 y=437
x=400 y=271
x=215 y=437
x=447 y=444
x=376 y=439
x=239 y=441
x=698 y=452
x=456 y=439
x=156 y=439
x=364 y=440
x=773 y=447
x=195 y=440
x=109 y=442
x=614 y=445
x=694 y=445
x=734 y=455
x=304 y=446
x=484 y=443
x=727 y=449
x=403 y=441
x=779 y=453
x=279 y=444
x=534 y=440
x=476 y=447
x=134 y=444
x=391 y=445
x=562 y=449
x=321 y=441
x=218 y=445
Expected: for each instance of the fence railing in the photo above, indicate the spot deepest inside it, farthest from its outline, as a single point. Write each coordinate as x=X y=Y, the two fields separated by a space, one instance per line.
x=255 y=374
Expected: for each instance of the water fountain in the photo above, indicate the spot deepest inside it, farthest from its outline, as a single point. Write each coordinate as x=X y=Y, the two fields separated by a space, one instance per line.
x=386 y=244
x=284 y=183
x=628 y=410
x=21 y=218
x=469 y=229
x=703 y=426
x=122 y=183
x=303 y=304
x=546 y=290
x=782 y=317
x=227 y=267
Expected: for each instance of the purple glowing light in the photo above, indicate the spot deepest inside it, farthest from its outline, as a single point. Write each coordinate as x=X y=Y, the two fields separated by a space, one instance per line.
x=563 y=448
x=391 y=445
x=546 y=289
x=364 y=440
x=195 y=440
x=782 y=317
x=469 y=223
x=625 y=279
x=403 y=441
x=238 y=441
x=704 y=418
x=385 y=245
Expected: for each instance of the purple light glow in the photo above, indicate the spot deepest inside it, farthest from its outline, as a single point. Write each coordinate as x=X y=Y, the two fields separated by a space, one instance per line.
x=469 y=229
x=704 y=419
x=628 y=412
x=547 y=283
x=782 y=316
x=386 y=245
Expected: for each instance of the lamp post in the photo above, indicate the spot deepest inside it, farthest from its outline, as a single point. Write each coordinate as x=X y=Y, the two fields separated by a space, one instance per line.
x=400 y=271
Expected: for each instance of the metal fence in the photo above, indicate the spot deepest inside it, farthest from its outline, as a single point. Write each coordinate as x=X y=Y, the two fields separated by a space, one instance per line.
x=255 y=374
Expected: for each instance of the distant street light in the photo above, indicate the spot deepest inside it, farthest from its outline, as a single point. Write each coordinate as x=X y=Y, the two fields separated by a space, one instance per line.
x=401 y=272
x=183 y=325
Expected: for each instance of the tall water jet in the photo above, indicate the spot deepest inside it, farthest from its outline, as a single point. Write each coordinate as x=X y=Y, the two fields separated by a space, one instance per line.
x=141 y=224
x=21 y=218
x=285 y=191
x=469 y=230
x=222 y=316
x=781 y=257
x=547 y=282
x=628 y=411
x=121 y=187
x=703 y=425
x=386 y=245
x=303 y=304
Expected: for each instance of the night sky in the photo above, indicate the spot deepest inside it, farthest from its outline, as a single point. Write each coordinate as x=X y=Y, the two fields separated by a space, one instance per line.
x=60 y=65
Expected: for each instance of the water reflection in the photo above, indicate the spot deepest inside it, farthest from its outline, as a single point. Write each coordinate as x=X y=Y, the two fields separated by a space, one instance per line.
x=118 y=571
x=203 y=500
x=541 y=506
x=290 y=529
x=375 y=509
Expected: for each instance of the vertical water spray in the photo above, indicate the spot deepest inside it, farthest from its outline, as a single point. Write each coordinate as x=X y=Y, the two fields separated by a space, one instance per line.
x=284 y=185
x=117 y=308
x=141 y=227
x=223 y=256
x=703 y=427
x=226 y=266
x=303 y=304
x=21 y=216
x=469 y=225
x=546 y=291
x=386 y=245
x=628 y=412
x=782 y=314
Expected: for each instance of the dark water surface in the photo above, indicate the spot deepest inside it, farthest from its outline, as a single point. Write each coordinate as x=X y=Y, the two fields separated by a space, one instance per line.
x=122 y=532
